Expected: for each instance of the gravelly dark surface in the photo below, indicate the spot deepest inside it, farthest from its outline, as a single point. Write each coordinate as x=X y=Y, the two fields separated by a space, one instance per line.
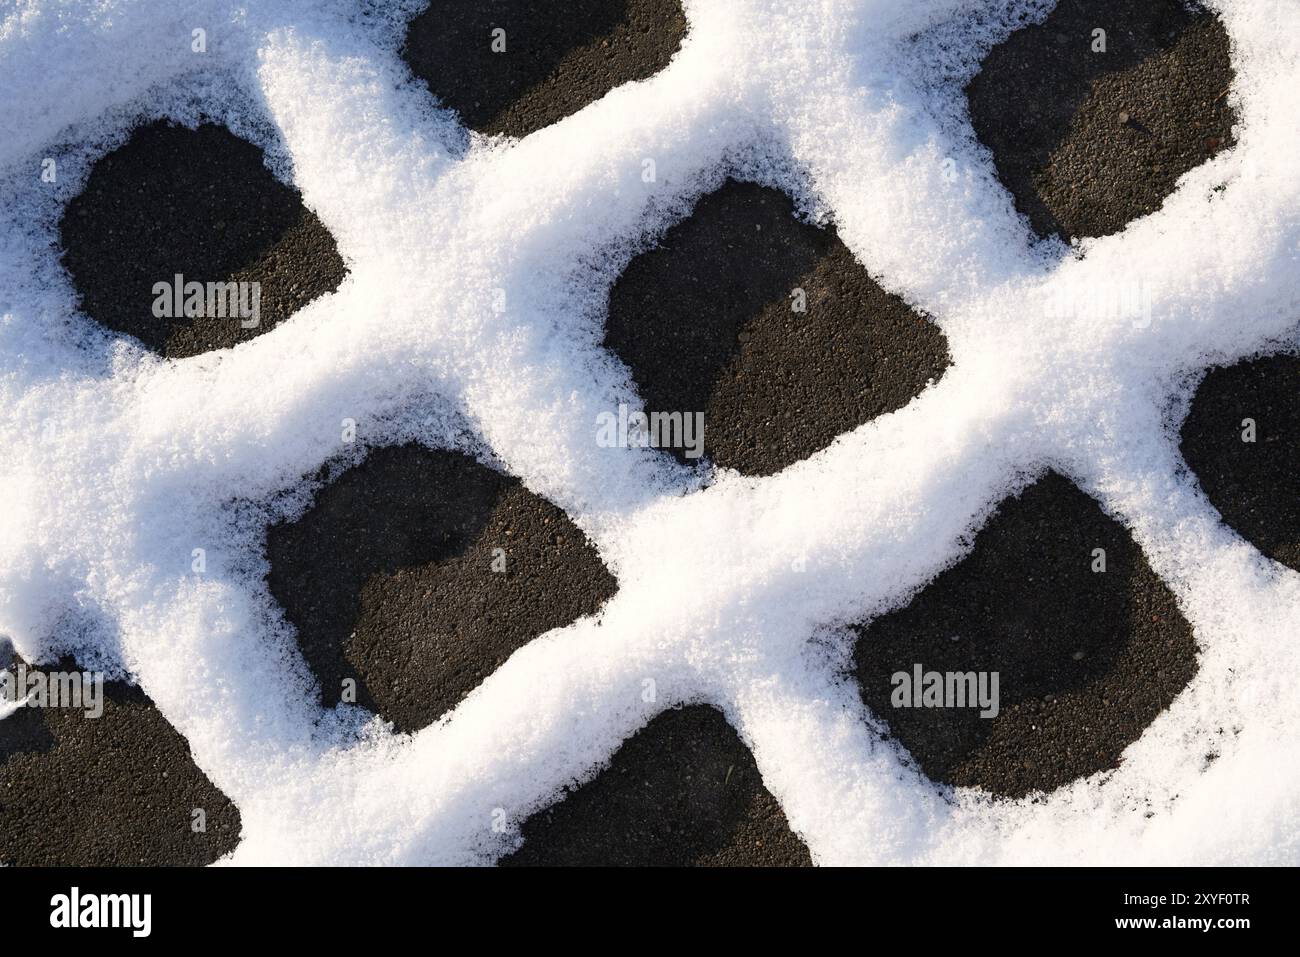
x=683 y=791
x=552 y=65
x=202 y=204
x=119 y=789
x=389 y=579
x=1086 y=659
x=706 y=322
x=1253 y=485
x=1087 y=142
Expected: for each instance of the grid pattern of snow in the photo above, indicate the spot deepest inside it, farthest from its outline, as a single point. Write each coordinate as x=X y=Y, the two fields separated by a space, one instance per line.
x=118 y=464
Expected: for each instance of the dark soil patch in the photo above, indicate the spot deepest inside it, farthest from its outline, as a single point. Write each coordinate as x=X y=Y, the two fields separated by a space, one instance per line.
x=1086 y=659
x=707 y=323
x=557 y=58
x=117 y=790
x=390 y=581
x=1252 y=484
x=683 y=791
x=201 y=204
x=1087 y=142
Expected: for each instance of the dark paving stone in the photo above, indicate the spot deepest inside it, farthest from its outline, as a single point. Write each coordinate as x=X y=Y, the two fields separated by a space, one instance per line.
x=389 y=579
x=119 y=789
x=202 y=204
x=706 y=322
x=682 y=791
x=1086 y=660
x=1253 y=485
x=559 y=56
x=1087 y=142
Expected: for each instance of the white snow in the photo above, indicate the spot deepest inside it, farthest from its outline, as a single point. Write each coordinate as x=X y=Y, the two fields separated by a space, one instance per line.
x=117 y=464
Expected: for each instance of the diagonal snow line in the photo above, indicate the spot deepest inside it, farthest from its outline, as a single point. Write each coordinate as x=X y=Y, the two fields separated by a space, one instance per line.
x=8 y=707
x=810 y=735
x=476 y=760
x=315 y=90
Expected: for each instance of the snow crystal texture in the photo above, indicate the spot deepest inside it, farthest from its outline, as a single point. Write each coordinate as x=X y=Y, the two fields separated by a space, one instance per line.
x=471 y=318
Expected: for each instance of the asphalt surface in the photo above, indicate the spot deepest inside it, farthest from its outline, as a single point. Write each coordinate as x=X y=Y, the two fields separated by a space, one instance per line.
x=407 y=603
x=394 y=579
x=1086 y=142
x=1252 y=484
x=200 y=203
x=706 y=321
x=117 y=789
x=551 y=66
x=682 y=791
x=1086 y=659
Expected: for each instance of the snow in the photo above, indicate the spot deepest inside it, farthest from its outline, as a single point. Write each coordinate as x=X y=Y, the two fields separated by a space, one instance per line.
x=471 y=318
